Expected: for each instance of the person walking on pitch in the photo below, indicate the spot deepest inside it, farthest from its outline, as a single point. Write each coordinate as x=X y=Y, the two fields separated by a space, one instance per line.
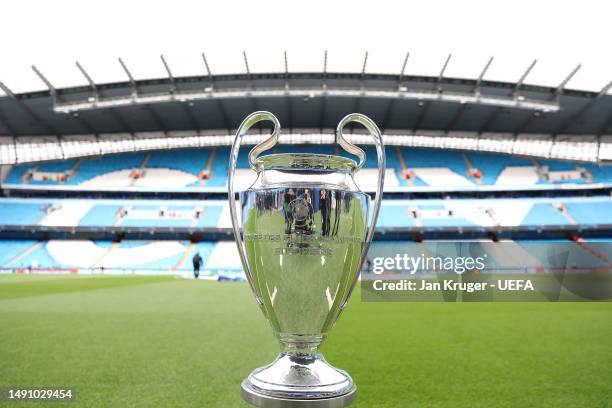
x=197 y=263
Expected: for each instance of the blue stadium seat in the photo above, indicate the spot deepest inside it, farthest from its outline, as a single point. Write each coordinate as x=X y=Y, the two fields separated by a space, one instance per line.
x=601 y=174
x=17 y=173
x=418 y=157
x=210 y=218
x=191 y=160
x=20 y=213
x=194 y=160
x=10 y=249
x=162 y=265
x=544 y=214
x=394 y=216
x=39 y=257
x=57 y=166
x=595 y=213
x=90 y=168
x=492 y=165
x=100 y=215
x=220 y=165
x=557 y=165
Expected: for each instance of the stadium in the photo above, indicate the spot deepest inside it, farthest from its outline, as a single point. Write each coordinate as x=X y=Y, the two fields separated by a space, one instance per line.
x=109 y=190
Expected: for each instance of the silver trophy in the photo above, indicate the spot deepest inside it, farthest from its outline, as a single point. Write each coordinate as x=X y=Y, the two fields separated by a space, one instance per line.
x=303 y=238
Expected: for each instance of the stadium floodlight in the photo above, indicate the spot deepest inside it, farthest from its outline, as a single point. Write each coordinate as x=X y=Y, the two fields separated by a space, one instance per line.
x=250 y=91
x=563 y=83
x=210 y=76
x=286 y=69
x=130 y=77
x=169 y=72
x=402 y=93
x=442 y=71
x=482 y=74
x=92 y=84
x=402 y=71
x=521 y=80
x=324 y=70
x=47 y=83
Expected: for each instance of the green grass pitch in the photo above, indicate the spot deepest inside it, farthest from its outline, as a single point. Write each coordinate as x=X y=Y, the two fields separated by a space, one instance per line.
x=168 y=342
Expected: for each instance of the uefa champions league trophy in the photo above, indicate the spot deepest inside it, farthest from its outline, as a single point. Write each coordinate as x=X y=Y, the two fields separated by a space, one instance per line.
x=305 y=235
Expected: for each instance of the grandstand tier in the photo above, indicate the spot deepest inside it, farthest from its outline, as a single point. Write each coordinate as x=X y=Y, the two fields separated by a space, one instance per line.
x=206 y=169
x=155 y=215
x=443 y=135
x=174 y=257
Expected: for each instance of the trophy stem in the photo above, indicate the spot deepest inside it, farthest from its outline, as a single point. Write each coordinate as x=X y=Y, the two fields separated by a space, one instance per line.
x=299 y=378
x=301 y=345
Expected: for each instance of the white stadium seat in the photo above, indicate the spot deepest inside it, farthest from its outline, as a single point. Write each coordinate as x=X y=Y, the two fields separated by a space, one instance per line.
x=533 y=145
x=575 y=147
x=518 y=176
x=442 y=177
x=605 y=148
x=7 y=150
x=37 y=148
x=79 y=146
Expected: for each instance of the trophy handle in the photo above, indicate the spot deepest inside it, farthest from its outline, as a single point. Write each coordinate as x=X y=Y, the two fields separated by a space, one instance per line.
x=380 y=153
x=247 y=123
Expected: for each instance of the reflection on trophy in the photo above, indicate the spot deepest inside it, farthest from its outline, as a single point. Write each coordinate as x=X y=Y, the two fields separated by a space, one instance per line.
x=302 y=239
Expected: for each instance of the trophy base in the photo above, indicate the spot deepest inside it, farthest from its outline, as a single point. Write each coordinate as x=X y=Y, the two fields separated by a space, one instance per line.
x=266 y=401
x=299 y=381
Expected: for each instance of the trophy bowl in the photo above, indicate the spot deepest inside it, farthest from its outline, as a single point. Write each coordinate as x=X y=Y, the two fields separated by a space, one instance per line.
x=302 y=238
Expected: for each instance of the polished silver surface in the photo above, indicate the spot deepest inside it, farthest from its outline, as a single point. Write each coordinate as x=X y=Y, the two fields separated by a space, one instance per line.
x=302 y=240
x=265 y=401
x=300 y=376
x=304 y=249
x=382 y=164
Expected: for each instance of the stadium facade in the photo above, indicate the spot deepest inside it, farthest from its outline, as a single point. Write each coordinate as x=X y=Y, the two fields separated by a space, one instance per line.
x=131 y=176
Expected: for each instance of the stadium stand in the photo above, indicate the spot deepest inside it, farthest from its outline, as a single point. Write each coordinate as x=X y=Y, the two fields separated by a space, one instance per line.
x=163 y=257
x=173 y=256
x=590 y=212
x=11 y=250
x=112 y=257
x=394 y=213
x=21 y=213
x=95 y=186
x=543 y=214
x=406 y=167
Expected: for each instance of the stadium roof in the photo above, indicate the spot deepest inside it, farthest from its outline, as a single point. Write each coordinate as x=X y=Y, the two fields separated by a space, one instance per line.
x=306 y=100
